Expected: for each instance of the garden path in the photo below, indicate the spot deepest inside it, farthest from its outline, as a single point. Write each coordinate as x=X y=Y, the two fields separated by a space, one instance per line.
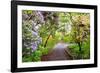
x=58 y=53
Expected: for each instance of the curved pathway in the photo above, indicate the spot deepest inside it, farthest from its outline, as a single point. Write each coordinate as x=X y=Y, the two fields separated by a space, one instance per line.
x=58 y=53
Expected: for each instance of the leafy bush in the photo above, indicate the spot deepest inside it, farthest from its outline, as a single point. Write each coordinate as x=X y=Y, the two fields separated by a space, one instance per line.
x=27 y=59
x=74 y=50
x=67 y=39
x=44 y=50
x=85 y=53
x=86 y=49
x=37 y=55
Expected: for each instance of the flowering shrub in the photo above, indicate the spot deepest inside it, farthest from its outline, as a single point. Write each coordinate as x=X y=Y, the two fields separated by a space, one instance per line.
x=41 y=30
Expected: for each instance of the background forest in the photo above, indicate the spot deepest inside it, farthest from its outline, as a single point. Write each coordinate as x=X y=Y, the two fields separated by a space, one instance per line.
x=44 y=31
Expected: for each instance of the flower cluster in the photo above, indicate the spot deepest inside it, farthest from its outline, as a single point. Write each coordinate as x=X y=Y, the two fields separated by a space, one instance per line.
x=36 y=42
x=40 y=16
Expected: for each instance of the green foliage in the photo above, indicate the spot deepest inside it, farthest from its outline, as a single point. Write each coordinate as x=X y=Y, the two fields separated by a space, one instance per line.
x=86 y=49
x=68 y=39
x=80 y=28
x=27 y=11
x=37 y=55
x=85 y=53
x=27 y=59
x=45 y=51
x=51 y=43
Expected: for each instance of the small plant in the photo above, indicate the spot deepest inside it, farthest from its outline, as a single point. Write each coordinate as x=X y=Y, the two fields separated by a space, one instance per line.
x=37 y=55
x=44 y=50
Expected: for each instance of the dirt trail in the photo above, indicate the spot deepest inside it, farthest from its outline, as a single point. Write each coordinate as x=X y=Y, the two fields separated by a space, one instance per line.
x=58 y=53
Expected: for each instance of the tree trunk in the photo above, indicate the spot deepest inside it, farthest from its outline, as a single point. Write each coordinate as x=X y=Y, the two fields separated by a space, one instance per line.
x=79 y=44
x=80 y=51
x=47 y=40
